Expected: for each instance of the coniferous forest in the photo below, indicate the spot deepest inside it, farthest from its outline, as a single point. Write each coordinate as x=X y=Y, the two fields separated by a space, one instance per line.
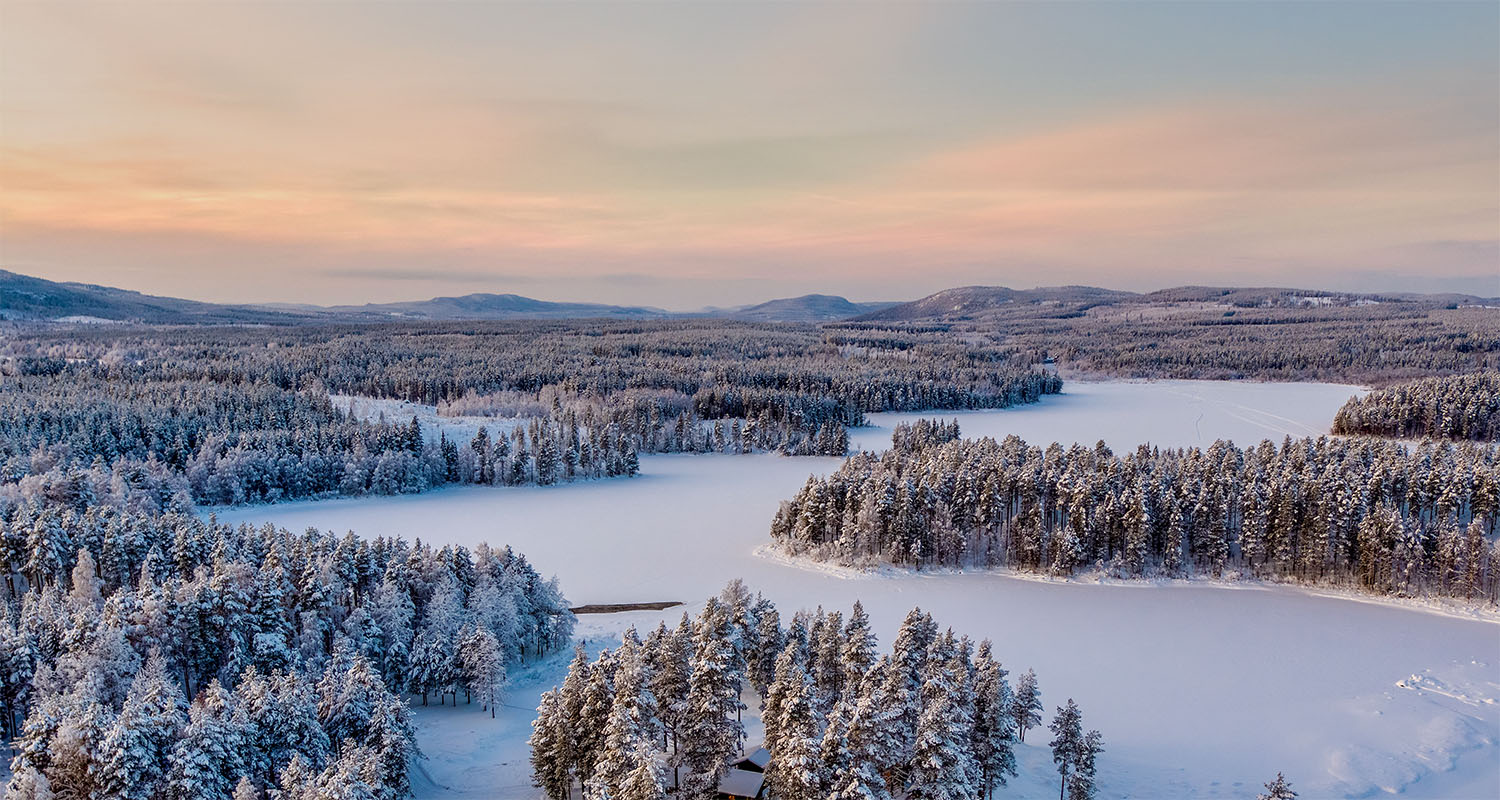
x=163 y=419
x=936 y=717
x=1388 y=518
x=1451 y=407
x=151 y=657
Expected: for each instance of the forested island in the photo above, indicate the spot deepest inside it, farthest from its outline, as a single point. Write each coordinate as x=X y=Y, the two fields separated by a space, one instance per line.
x=1390 y=519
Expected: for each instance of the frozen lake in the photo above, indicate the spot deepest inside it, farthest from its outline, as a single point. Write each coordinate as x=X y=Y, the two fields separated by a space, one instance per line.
x=1200 y=691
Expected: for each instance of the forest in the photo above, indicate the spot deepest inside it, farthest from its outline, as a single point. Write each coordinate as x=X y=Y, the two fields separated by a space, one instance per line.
x=146 y=652
x=1225 y=334
x=1449 y=407
x=1361 y=512
x=935 y=717
x=161 y=656
x=164 y=419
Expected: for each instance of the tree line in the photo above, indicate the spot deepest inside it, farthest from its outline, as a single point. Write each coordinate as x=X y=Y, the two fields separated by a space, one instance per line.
x=1200 y=335
x=934 y=718
x=164 y=656
x=1384 y=517
x=162 y=419
x=1448 y=407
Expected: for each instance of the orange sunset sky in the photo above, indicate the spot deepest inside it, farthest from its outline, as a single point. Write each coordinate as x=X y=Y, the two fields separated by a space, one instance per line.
x=683 y=154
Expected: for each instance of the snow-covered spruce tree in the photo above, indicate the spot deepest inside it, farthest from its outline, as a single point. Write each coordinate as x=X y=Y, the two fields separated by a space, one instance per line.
x=905 y=675
x=1026 y=706
x=571 y=697
x=1082 y=786
x=645 y=781
x=795 y=763
x=593 y=714
x=631 y=731
x=1074 y=753
x=994 y=733
x=942 y=765
x=711 y=730
x=245 y=790
x=550 y=745
x=1067 y=731
x=135 y=751
x=667 y=652
x=1277 y=789
x=858 y=647
x=788 y=677
x=209 y=758
x=871 y=744
x=770 y=641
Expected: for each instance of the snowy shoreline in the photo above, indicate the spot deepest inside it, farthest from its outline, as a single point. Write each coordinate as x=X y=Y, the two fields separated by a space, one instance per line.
x=1453 y=609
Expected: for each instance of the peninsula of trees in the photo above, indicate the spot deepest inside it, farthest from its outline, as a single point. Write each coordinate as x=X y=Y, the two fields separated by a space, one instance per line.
x=1361 y=512
x=663 y=717
x=1452 y=407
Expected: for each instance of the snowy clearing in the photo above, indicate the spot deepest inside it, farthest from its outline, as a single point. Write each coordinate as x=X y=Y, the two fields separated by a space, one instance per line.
x=1201 y=691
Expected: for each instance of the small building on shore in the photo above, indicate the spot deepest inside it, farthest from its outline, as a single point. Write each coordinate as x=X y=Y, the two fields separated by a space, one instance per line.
x=742 y=784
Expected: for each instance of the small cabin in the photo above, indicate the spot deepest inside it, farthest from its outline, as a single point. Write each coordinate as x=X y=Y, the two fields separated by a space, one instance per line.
x=742 y=784
x=756 y=761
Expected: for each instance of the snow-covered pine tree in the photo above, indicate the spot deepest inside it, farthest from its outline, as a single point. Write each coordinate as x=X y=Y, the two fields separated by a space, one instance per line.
x=1067 y=743
x=594 y=713
x=994 y=756
x=1278 y=789
x=645 y=781
x=550 y=745
x=711 y=731
x=1026 y=708
x=632 y=729
x=483 y=666
x=209 y=758
x=793 y=773
x=859 y=647
x=1082 y=787
x=134 y=753
x=770 y=640
x=942 y=765
x=668 y=654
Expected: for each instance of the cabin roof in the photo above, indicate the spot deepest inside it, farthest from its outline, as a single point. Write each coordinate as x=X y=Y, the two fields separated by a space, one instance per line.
x=741 y=783
x=758 y=759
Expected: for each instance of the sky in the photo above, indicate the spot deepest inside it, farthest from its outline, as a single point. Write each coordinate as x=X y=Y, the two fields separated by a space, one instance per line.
x=714 y=153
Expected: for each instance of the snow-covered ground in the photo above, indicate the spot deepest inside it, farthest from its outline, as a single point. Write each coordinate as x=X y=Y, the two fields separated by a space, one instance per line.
x=458 y=429
x=1164 y=413
x=1201 y=691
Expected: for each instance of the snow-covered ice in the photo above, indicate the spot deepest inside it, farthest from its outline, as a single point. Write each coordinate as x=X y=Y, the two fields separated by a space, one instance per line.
x=1201 y=691
x=1163 y=413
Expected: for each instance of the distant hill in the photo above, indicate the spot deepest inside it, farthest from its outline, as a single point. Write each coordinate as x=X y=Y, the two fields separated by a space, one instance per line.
x=969 y=301
x=807 y=308
x=26 y=298
x=978 y=303
x=493 y=306
x=23 y=297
